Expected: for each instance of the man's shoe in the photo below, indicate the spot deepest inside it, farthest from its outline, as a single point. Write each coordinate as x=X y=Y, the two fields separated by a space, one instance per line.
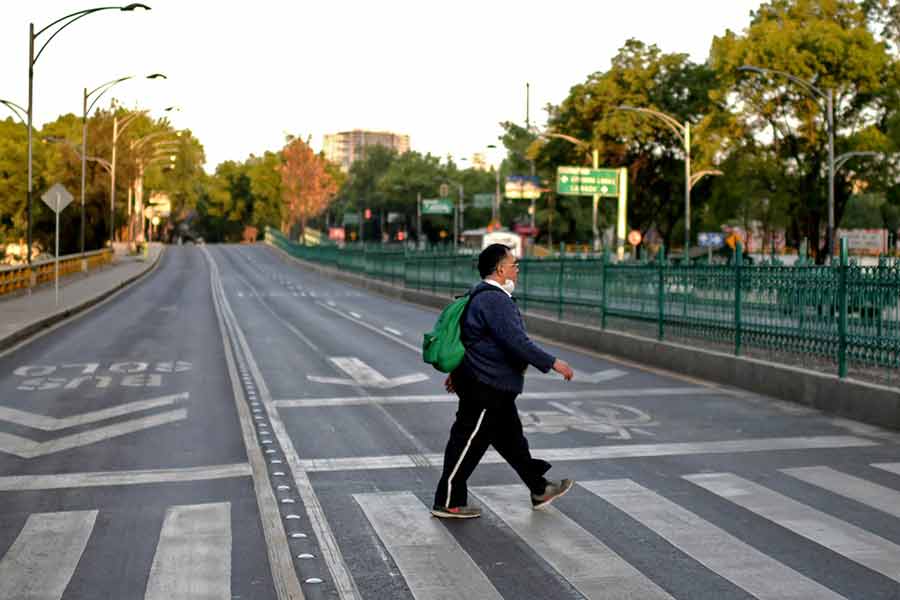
x=457 y=512
x=553 y=491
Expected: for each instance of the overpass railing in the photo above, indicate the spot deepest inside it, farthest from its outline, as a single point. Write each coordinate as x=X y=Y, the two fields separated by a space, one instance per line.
x=19 y=277
x=843 y=315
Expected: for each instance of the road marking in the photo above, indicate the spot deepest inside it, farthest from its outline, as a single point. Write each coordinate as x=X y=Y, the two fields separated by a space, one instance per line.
x=45 y=423
x=865 y=492
x=393 y=331
x=404 y=461
x=363 y=375
x=760 y=575
x=370 y=327
x=451 y=398
x=355 y=315
x=193 y=556
x=290 y=327
x=284 y=576
x=279 y=553
x=583 y=560
x=840 y=537
x=25 y=448
x=890 y=467
x=580 y=376
x=41 y=561
x=19 y=483
x=432 y=562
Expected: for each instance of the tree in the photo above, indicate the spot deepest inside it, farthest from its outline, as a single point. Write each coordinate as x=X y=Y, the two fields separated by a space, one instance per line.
x=643 y=76
x=306 y=186
x=828 y=42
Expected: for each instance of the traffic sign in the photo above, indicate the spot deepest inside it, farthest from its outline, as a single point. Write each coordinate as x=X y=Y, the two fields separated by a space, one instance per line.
x=634 y=237
x=351 y=218
x=483 y=200
x=57 y=198
x=583 y=181
x=522 y=187
x=711 y=240
x=437 y=206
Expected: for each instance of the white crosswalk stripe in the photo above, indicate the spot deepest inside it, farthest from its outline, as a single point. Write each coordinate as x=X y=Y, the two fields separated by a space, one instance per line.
x=583 y=560
x=193 y=557
x=871 y=494
x=43 y=558
x=717 y=550
x=432 y=562
x=843 y=538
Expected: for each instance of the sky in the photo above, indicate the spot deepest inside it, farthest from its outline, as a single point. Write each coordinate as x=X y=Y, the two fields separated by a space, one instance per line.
x=246 y=74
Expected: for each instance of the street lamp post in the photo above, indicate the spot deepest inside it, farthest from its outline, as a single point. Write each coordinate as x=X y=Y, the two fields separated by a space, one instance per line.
x=683 y=131
x=817 y=94
x=32 y=59
x=595 y=162
x=99 y=91
x=118 y=131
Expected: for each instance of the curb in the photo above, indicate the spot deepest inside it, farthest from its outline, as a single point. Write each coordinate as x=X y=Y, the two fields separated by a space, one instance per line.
x=851 y=398
x=33 y=328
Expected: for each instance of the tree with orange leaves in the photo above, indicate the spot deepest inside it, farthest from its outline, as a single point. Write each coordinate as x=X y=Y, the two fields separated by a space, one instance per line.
x=306 y=186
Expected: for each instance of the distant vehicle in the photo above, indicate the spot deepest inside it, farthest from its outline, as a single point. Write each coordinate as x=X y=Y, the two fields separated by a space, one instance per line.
x=479 y=239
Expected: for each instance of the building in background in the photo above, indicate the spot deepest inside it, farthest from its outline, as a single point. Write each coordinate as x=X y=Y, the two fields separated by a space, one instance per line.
x=346 y=147
x=479 y=161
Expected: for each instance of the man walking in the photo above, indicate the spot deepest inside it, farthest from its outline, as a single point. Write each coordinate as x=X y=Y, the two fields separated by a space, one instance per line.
x=491 y=375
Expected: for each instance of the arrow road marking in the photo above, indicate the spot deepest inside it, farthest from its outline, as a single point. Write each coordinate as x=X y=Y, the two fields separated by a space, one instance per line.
x=25 y=448
x=364 y=375
x=580 y=377
x=44 y=423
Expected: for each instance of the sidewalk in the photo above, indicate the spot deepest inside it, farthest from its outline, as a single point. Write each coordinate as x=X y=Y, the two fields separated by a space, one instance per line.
x=23 y=314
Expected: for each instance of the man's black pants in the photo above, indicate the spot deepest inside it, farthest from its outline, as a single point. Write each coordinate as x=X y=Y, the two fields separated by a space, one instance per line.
x=486 y=417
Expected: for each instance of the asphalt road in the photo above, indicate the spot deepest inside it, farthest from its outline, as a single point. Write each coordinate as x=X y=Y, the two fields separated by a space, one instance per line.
x=235 y=426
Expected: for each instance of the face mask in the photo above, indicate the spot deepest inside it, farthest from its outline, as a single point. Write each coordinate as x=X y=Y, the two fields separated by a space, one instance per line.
x=509 y=285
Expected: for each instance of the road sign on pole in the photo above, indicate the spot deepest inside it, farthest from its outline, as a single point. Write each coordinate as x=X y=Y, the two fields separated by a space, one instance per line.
x=57 y=198
x=584 y=181
x=522 y=187
x=483 y=200
x=437 y=206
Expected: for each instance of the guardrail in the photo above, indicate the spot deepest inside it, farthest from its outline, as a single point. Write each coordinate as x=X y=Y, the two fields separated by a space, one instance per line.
x=22 y=276
x=842 y=313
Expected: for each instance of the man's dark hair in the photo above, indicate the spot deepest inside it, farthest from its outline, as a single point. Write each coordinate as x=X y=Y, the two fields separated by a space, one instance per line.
x=490 y=257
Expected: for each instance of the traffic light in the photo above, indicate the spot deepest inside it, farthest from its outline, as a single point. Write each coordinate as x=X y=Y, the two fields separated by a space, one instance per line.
x=368 y=214
x=401 y=235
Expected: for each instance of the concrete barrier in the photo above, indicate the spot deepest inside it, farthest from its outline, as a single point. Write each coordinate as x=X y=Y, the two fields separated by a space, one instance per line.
x=859 y=400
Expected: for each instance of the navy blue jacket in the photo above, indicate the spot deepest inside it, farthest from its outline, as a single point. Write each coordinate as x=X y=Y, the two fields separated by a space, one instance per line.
x=498 y=350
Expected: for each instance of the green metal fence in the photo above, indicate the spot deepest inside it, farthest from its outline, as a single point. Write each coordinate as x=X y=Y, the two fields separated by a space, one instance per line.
x=843 y=314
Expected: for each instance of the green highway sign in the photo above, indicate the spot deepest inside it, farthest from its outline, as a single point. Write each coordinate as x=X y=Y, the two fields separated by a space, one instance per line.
x=351 y=218
x=483 y=200
x=437 y=206
x=584 y=181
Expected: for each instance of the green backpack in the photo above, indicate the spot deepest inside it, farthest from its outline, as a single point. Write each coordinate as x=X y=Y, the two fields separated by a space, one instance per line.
x=441 y=347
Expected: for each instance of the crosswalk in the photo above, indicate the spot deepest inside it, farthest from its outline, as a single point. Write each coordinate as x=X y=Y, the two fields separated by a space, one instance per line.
x=696 y=522
x=192 y=560
x=435 y=565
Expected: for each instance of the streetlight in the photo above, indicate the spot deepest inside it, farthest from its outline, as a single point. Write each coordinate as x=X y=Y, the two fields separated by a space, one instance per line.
x=495 y=212
x=683 y=131
x=141 y=164
x=595 y=161
x=817 y=94
x=32 y=59
x=99 y=91
x=117 y=131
